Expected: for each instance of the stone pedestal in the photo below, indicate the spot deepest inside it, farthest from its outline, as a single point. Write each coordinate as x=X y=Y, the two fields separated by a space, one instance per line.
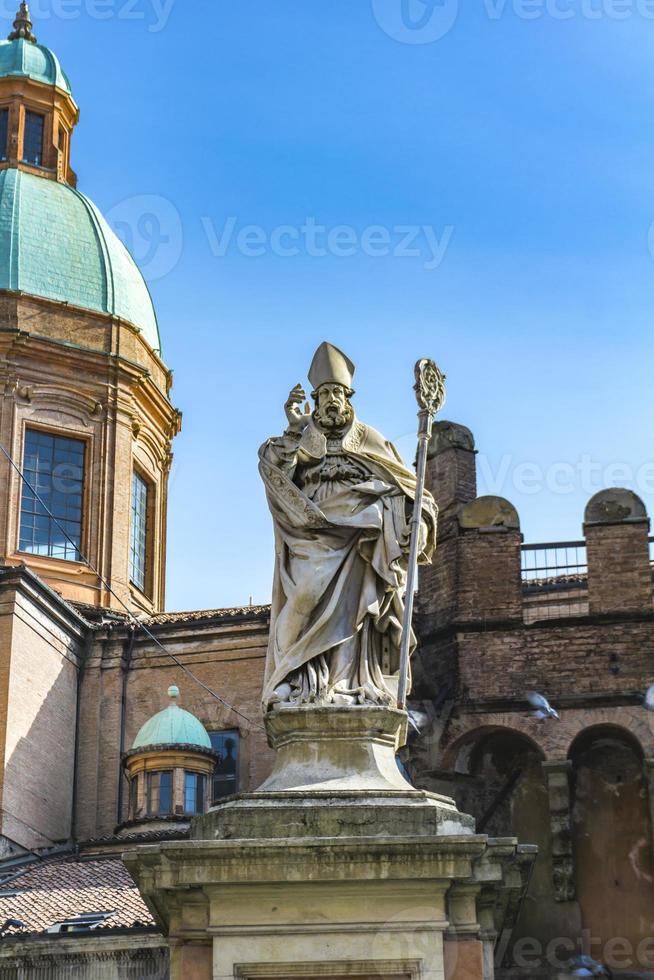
x=335 y=867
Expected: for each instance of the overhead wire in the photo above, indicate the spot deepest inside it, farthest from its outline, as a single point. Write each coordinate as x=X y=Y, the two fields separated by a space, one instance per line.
x=135 y=620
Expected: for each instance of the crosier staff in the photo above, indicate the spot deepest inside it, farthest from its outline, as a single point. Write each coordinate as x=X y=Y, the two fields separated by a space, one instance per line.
x=430 y=395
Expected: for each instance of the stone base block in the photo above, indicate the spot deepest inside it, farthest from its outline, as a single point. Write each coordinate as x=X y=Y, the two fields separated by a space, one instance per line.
x=335 y=775
x=336 y=867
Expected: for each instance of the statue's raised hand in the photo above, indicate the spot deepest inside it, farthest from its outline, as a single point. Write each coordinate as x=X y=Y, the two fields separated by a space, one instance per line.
x=297 y=418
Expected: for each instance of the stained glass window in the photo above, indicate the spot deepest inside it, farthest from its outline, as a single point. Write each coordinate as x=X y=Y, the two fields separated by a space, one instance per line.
x=54 y=468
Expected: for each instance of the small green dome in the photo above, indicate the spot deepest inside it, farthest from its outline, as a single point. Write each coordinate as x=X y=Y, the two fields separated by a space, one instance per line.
x=172 y=726
x=25 y=59
x=55 y=244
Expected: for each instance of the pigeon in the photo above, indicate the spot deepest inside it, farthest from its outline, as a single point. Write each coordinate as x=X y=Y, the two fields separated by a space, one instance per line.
x=585 y=966
x=648 y=698
x=12 y=924
x=543 y=708
x=418 y=719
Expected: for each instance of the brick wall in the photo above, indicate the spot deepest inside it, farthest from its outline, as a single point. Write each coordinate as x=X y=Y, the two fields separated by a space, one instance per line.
x=40 y=656
x=619 y=575
x=227 y=655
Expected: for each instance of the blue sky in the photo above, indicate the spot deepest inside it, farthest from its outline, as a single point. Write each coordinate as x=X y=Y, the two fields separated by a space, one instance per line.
x=513 y=156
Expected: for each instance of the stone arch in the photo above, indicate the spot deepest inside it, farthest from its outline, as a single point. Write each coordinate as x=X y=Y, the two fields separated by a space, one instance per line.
x=605 y=729
x=457 y=755
x=502 y=781
x=612 y=838
x=636 y=723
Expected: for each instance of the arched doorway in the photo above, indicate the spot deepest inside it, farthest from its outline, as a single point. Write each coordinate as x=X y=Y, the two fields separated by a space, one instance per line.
x=612 y=845
x=504 y=786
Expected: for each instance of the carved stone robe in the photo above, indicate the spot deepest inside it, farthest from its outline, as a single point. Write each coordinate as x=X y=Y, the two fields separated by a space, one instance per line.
x=340 y=505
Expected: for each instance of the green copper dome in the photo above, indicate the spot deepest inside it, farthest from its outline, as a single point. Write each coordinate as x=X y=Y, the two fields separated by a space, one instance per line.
x=55 y=244
x=172 y=726
x=25 y=59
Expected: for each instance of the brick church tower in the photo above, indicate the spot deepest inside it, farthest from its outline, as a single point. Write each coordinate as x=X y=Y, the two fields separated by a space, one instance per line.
x=84 y=406
x=86 y=425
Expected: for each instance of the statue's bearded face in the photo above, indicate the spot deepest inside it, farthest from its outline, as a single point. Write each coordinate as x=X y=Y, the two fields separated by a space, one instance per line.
x=333 y=407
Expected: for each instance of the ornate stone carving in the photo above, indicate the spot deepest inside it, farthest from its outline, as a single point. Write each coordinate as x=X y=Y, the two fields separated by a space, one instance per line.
x=429 y=386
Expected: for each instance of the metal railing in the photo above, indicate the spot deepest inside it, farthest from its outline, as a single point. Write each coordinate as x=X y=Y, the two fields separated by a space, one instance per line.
x=558 y=564
x=554 y=580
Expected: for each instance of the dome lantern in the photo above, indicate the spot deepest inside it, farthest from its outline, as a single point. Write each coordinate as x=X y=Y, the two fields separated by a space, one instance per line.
x=37 y=109
x=169 y=768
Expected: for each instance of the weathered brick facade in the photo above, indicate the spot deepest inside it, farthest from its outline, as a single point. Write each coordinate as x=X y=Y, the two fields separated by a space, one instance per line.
x=490 y=632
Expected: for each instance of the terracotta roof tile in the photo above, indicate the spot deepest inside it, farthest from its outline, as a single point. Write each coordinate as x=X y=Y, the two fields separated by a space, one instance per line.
x=51 y=891
x=99 y=616
x=227 y=613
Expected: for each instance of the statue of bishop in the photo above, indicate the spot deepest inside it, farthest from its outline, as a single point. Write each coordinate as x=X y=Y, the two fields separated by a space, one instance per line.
x=340 y=498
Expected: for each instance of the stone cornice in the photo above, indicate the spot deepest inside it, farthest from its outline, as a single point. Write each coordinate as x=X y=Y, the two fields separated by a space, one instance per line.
x=23 y=580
